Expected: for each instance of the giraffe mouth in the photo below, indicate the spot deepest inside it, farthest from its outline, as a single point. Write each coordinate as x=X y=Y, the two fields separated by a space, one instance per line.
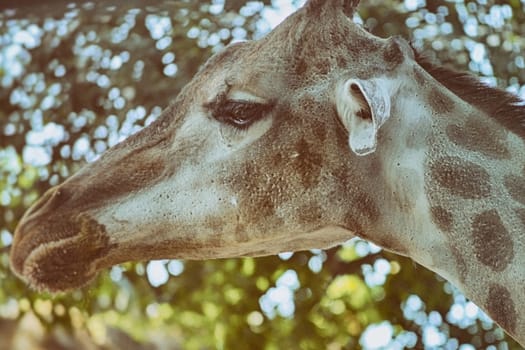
x=58 y=254
x=54 y=267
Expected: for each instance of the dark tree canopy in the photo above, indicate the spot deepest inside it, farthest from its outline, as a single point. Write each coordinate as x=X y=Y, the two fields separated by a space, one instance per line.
x=77 y=77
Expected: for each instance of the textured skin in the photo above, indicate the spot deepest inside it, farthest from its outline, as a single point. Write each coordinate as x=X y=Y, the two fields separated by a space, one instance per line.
x=444 y=185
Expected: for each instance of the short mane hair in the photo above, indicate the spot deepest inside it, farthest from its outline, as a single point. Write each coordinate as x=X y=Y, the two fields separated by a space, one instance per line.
x=508 y=109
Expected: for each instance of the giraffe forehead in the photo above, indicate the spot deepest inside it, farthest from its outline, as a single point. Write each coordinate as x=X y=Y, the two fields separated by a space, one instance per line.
x=304 y=50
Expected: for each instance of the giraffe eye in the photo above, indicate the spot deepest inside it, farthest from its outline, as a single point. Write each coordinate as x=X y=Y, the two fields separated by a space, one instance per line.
x=240 y=114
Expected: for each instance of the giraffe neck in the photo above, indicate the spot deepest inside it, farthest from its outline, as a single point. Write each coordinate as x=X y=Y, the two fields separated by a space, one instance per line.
x=476 y=189
x=455 y=198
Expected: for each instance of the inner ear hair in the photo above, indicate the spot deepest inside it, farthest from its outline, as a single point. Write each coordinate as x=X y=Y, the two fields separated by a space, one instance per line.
x=364 y=111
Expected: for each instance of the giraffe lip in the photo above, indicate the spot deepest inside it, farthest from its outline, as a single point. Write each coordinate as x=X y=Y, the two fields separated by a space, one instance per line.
x=42 y=273
x=22 y=247
x=60 y=254
x=54 y=266
x=47 y=267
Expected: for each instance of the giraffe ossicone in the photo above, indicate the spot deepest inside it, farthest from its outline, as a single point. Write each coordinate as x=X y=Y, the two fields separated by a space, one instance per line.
x=252 y=158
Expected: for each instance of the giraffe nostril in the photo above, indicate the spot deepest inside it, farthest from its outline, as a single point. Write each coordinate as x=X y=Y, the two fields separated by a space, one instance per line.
x=39 y=213
x=43 y=224
x=40 y=203
x=50 y=200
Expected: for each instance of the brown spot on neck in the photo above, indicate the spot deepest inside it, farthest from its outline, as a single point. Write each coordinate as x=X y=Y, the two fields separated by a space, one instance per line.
x=393 y=55
x=440 y=102
x=501 y=308
x=492 y=242
x=461 y=265
x=516 y=188
x=461 y=177
x=442 y=218
x=480 y=137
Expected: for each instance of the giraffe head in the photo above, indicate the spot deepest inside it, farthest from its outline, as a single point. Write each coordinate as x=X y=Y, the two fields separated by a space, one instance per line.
x=271 y=147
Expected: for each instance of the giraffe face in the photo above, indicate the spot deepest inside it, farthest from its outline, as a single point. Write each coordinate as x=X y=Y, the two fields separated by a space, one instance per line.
x=252 y=158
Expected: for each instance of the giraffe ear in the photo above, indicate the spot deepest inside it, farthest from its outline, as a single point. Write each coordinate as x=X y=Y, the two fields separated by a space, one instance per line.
x=363 y=106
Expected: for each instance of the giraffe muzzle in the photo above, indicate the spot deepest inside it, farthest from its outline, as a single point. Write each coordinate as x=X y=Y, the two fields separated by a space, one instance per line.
x=56 y=248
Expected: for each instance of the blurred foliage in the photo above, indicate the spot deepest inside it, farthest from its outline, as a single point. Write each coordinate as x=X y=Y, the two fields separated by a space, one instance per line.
x=78 y=77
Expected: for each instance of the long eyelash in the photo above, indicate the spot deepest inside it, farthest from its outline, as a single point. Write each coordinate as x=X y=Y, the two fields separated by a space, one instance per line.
x=240 y=114
x=238 y=108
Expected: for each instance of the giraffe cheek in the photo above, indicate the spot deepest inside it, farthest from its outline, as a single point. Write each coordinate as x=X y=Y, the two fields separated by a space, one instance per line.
x=309 y=216
x=259 y=215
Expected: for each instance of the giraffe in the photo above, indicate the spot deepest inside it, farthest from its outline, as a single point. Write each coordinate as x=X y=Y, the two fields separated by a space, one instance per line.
x=312 y=135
